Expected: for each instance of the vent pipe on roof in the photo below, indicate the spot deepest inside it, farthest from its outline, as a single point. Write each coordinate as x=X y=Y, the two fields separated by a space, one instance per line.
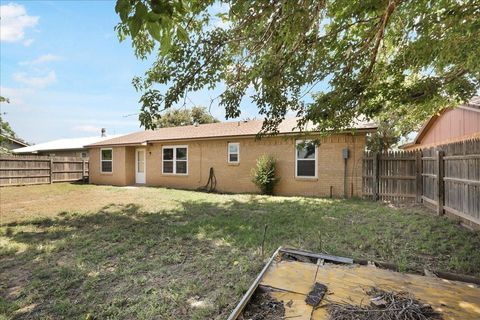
x=104 y=132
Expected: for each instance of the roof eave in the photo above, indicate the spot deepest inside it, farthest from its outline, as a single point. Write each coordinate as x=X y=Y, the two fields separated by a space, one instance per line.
x=245 y=136
x=50 y=150
x=132 y=144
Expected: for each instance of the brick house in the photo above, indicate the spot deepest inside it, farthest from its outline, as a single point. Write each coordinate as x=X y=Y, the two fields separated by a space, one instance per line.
x=181 y=157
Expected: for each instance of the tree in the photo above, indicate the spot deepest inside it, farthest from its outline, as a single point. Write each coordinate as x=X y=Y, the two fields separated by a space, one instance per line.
x=5 y=129
x=386 y=137
x=4 y=125
x=185 y=117
x=328 y=61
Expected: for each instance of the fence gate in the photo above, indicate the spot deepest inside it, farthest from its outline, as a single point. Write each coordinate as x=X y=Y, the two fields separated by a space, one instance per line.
x=391 y=176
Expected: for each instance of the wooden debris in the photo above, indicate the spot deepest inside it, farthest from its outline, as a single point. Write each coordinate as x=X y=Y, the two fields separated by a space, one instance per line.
x=384 y=306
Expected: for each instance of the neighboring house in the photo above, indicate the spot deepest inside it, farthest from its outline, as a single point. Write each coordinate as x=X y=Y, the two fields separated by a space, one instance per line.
x=11 y=143
x=451 y=125
x=181 y=157
x=64 y=147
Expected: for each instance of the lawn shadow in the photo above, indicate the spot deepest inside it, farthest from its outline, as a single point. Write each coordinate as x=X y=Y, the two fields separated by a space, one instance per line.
x=195 y=261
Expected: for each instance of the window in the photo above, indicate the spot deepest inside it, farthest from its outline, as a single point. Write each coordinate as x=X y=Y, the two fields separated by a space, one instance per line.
x=306 y=159
x=83 y=155
x=234 y=152
x=175 y=160
x=106 y=160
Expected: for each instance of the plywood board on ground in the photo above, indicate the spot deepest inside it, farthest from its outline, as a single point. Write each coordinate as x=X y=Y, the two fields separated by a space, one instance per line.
x=290 y=282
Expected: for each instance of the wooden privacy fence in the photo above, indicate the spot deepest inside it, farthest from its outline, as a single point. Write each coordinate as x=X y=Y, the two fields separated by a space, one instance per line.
x=26 y=170
x=445 y=178
x=391 y=176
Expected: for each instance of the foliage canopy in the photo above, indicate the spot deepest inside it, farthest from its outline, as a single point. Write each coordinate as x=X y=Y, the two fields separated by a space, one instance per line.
x=5 y=129
x=184 y=117
x=327 y=61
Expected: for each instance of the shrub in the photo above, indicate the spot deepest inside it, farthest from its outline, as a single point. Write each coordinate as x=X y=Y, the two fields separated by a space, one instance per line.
x=264 y=174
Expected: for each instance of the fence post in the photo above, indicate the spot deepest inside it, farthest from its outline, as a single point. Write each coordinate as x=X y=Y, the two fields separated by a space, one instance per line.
x=440 y=186
x=51 y=170
x=418 y=173
x=83 y=171
x=375 y=176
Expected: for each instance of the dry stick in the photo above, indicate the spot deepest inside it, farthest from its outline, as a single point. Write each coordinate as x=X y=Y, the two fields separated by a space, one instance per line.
x=264 y=235
x=399 y=306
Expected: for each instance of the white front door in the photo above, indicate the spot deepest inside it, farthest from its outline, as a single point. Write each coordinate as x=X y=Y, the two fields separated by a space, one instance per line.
x=140 y=166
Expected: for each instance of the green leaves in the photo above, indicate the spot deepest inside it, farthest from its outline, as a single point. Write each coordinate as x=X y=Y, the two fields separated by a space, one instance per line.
x=154 y=21
x=327 y=61
x=185 y=117
x=182 y=34
x=154 y=30
x=122 y=8
x=136 y=22
x=165 y=43
x=263 y=176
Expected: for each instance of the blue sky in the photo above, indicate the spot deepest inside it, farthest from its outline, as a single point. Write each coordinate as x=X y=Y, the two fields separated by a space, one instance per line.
x=67 y=75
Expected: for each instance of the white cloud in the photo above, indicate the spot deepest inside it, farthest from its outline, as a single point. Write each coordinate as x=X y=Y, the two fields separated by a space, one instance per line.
x=13 y=22
x=42 y=59
x=35 y=82
x=87 y=128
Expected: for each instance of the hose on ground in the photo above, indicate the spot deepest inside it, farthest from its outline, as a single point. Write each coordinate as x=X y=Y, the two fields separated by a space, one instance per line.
x=211 y=183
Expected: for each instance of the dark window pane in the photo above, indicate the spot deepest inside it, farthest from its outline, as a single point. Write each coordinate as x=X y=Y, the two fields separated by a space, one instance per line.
x=306 y=151
x=233 y=157
x=306 y=168
x=167 y=154
x=181 y=167
x=106 y=154
x=106 y=166
x=167 y=166
x=181 y=153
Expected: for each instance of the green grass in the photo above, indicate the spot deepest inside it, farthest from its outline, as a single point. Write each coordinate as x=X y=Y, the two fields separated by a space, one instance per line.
x=153 y=253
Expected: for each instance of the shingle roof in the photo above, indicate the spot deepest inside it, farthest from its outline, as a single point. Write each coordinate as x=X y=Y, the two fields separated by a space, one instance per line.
x=62 y=144
x=208 y=131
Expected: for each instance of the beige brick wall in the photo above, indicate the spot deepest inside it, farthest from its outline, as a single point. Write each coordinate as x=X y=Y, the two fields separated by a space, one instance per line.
x=237 y=178
x=123 y=172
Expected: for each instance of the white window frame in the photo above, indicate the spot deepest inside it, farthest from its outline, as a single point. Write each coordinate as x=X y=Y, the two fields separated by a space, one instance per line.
x=229 y=153
x=101 y=160
x=297 y=142
x=174 y=173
